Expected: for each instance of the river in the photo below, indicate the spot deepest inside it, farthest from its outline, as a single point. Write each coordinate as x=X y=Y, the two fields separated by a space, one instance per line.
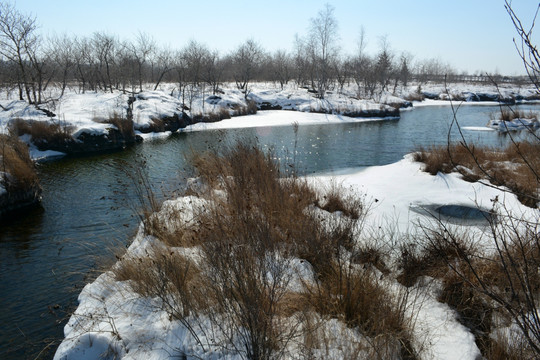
x=87 y=213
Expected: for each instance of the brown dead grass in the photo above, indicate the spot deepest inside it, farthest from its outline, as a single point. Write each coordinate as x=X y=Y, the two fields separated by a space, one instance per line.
x=122 y=124
x=516 y=167
x=15 y=161
x=44 y=134
x=500 y=286
x=252 y=227
x=509 y=114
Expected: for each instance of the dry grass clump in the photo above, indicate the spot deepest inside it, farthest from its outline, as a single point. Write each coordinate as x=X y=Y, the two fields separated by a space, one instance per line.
x=335 y=200
x=222 y=114
x=488 y=290
x=249 y=109
x=44 y=133
x=415 y=96
x=122 y=124
x=509 y=114
x=355 y=296
x=255 y=225
x=19 y=171
x=516 y=167
x=165 y=274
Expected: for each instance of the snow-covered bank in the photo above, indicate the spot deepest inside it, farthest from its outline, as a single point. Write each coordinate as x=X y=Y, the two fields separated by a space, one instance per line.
x=91 y=120
x=113 y=320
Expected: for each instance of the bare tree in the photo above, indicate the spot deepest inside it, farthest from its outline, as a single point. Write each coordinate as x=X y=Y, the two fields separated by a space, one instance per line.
x=213 y=69
x=18 y=42
x=384 y=64
x=301 y=61
x=246 y=60
x=324 y=38
x=164 y=64
x=142 y=51
x=61 y=50
x=280 y=67
x=84 y=64
x=104 y=46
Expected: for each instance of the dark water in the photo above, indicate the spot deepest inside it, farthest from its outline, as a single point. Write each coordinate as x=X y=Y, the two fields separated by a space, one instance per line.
x=48 y=254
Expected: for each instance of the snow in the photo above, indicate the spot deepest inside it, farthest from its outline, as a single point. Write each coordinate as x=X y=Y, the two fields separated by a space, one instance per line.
x=112 y=320
x=153 y=135
x=477 y=128
x=437 y=332
x=88 y=112
x=278 y=118
x=394 y=200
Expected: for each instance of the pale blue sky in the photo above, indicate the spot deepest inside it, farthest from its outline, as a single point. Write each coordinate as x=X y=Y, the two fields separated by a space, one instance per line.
x=471 y=35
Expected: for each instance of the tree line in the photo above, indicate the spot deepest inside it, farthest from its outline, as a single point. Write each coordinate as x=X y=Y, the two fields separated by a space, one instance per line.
x=30 y=64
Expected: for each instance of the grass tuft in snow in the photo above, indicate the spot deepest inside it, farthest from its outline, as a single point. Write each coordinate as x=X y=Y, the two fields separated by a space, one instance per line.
x=509 y=114
x=122 y=124
x=45 y=134
x=270 y=260
x=516 y=167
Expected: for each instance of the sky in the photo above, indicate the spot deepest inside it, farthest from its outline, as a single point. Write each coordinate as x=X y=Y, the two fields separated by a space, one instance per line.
x=470 y=35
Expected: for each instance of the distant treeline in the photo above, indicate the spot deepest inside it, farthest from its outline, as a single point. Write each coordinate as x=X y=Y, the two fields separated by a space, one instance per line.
x=31 y=64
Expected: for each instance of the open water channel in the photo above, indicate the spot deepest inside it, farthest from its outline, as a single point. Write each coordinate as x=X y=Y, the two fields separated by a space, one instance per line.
x=48 y=254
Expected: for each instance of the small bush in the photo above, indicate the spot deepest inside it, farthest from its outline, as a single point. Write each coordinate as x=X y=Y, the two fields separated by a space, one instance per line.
x=354 y=296
x=224 y=113
x=249 y=109
x=255 y=222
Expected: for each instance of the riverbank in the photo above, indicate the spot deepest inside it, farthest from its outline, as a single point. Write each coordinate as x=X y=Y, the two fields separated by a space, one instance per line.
x=90 y=122
x=114 y=317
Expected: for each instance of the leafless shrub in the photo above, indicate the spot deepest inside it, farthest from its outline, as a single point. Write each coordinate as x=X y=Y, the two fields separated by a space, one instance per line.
x=415 y=96
x=505 y=282
x=249 y=109
x=224 y=113
x=255 y=223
